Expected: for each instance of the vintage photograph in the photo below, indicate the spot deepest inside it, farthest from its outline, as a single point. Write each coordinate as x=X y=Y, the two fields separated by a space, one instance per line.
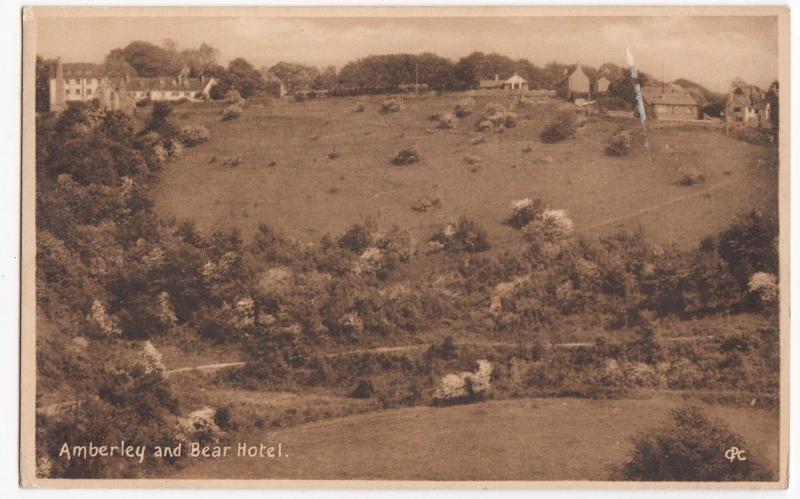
x=405 y=245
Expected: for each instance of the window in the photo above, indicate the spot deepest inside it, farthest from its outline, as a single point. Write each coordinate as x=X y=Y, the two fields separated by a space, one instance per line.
x=88 y=91
x=68 y=91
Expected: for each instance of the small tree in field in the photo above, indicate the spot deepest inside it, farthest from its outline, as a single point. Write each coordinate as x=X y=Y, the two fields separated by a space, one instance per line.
x=692 y=448
x=561 y=128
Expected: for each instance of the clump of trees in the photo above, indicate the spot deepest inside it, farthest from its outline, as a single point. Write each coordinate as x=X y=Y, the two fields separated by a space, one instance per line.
x=561 y=128
x=691 y=448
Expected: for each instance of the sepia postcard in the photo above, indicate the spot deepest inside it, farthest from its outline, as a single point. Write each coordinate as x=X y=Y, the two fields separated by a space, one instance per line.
x=472 y=247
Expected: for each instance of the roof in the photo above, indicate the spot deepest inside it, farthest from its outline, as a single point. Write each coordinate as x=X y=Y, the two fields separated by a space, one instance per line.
x=669 y=94
x=516 y=79
x=490 y=83
x=82 y=70
x=674 y=99
x=570 y=73
x=164 y=83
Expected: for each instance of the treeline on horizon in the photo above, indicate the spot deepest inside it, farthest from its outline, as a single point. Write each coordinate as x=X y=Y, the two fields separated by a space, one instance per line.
x=370 y=74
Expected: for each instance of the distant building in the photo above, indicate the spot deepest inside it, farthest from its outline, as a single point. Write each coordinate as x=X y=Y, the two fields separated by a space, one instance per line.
x=574 y=85
x=670 y=102
x=600 y=86
x=514 y=83
x=745 y=105
x=84 y=82
x=491 y=84
x=675 y=107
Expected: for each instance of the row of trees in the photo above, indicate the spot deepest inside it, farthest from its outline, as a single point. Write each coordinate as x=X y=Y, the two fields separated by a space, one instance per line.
x=141 y=58
x=376 y=71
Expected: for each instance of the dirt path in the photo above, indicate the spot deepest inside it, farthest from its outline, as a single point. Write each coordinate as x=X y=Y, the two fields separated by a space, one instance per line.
x=423 y=346
x=56 y=407
x=660 y=206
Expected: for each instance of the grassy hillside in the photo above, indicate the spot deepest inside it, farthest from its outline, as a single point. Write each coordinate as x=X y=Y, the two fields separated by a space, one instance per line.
x=287 y=180
x=530 y=439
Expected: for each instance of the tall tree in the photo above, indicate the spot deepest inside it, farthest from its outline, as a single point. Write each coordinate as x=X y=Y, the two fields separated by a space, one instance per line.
x=116 y=64
x=149 y=59
x=43 y=68
x=199 y=60
x=243 y=77
x=295 y=76
x=327 y=79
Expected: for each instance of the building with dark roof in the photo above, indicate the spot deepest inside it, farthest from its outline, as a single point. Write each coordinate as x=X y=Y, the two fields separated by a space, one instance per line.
x=85 y=82
x=670 y=102
x=574 y=84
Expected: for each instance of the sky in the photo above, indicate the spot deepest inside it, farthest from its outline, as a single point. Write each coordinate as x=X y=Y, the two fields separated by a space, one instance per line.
x=709 y=50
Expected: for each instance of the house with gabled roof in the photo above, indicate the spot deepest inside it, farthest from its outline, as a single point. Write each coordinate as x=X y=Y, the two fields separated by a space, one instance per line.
x=85 y=82
x=670 y=102
x=574 y=84
x=514 y=83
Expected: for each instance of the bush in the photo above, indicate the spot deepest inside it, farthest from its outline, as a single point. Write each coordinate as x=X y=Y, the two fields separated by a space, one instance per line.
x=364 y=390
x=471 y=159
x=446 y=121
x=750 y=245
x=222 y=418
x=405 y=157
x=359 y=108
x=524 y=212
x=425 y=203
x=495 y=116
x=691 y=176
x=231 y=112
x=691 y=448
x=552 y=227
x=619 y=144
x=358 y=238
x=233 y=97
x=465 y=236
x=392 y=105
x=561 y=128
x=193 y=135
x=464 y=107
x=763 y=287
x=464 y=387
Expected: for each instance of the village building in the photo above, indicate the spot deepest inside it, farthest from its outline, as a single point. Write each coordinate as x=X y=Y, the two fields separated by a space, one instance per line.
x=745 y=105
x=494 y=84
x=600 y=86
x=670 y=102
x=514 y=83
x=575 y=84
x=85 y=82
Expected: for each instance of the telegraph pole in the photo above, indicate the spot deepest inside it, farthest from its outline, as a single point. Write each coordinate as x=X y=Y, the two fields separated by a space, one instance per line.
x=416 y=87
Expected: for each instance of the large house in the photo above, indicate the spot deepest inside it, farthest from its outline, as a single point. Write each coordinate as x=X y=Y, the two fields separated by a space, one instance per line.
x=85 y=82
x=514 y=83
x=745 y=105
x=670 y=102
x=574 y=84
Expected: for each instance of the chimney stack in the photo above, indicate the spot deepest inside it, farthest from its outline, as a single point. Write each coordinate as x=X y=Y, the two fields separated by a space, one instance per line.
x=57 y=89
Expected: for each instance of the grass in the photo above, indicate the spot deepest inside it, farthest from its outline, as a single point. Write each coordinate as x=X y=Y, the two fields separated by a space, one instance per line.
x=528 y=439
x=306 y=194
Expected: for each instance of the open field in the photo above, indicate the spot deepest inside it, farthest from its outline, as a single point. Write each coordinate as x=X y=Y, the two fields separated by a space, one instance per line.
x=527 y=439
x=306 y=194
